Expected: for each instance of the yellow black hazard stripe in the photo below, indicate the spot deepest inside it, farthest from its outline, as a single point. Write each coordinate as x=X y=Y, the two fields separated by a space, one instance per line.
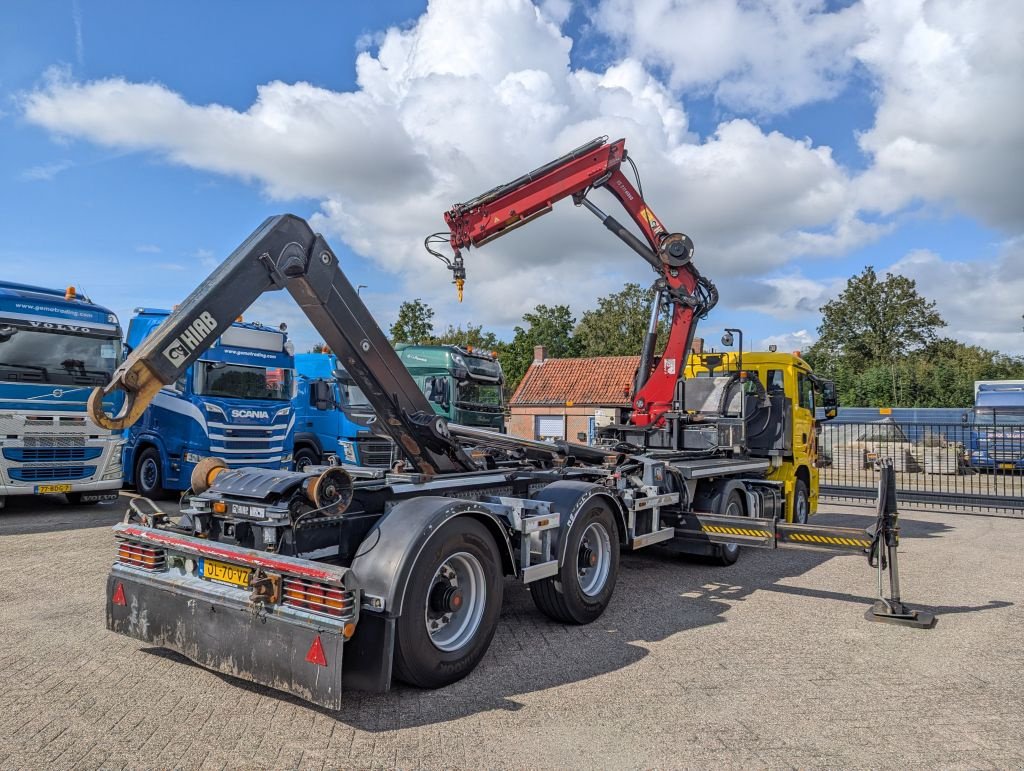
x=828 y=539
x=721 y=530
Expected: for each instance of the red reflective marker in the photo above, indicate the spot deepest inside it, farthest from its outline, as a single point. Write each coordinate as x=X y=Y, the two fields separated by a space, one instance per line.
x=316 y=653
x=118 y=598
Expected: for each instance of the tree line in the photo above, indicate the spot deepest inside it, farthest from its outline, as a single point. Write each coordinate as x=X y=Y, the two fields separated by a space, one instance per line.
x=879 y=340
x=616 y=327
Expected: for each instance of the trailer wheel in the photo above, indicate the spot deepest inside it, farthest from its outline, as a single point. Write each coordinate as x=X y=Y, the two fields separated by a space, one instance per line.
x=148 y=477
x=801 y=503
x=727 y=553
x=451 y=606
x=583 y=586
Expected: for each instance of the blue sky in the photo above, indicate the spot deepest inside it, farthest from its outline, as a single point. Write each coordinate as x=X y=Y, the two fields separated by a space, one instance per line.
x=795 y=142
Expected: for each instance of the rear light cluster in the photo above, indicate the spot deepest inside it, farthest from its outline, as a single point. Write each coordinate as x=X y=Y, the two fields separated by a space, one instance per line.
x=139 y=556
x=317 y=597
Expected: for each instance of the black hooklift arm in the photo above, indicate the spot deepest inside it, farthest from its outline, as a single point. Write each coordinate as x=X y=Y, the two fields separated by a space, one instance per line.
x=285 y=253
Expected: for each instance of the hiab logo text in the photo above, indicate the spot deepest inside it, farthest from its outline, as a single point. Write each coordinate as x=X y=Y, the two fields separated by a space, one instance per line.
x=190 y=339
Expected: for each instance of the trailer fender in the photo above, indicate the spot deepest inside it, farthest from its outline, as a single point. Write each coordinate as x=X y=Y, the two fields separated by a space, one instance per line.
x=568 y=497
x=386 y=556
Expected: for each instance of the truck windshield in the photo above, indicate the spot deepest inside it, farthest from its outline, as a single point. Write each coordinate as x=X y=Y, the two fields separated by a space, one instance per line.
x=999 y=416
x=236 y=381
x=32 y=356
x=472 y=392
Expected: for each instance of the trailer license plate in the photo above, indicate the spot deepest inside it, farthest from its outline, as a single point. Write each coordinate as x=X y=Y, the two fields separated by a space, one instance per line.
x=248 y=511
x=228 y=574
x=53 y=489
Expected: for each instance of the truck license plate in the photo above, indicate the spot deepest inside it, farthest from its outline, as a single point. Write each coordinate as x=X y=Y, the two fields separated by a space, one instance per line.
x=228 y=574
x=1006 y=467
x=53 y=489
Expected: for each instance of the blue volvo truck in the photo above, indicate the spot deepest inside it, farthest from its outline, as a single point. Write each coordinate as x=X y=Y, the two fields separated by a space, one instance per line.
x=234 y=403
x=997 y=431
x=55 y=347
x=332 y=417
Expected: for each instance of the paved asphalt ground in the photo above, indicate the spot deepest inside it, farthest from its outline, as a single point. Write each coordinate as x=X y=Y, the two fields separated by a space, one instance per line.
x=766 y=664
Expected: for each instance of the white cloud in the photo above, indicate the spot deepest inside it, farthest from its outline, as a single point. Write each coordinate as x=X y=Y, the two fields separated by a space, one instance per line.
x=784 y=297
x=799 y=340
x=950 y=120
x=982 y=301
x=46 y=172
x=762 y=57
x=148 y=249
x=430 y=124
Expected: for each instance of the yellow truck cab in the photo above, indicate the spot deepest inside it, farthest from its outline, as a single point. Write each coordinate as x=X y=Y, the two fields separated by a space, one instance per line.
x=797 y=467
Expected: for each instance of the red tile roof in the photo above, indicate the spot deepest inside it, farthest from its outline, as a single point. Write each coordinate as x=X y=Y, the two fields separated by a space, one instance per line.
x=601 y=380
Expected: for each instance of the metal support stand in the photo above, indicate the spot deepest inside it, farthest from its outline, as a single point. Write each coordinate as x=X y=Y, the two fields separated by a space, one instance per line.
x=883 y=555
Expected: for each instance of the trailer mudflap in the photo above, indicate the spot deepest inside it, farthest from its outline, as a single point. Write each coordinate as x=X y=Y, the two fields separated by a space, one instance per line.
x=255 y=643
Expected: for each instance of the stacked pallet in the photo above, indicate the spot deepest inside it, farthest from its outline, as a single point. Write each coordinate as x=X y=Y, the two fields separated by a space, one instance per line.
x=943 y=460
x=848 y=457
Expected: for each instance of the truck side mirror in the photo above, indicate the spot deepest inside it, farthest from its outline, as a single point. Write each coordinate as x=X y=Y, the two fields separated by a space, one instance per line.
x=438 y=390
x=829 y=399
x=323 y=399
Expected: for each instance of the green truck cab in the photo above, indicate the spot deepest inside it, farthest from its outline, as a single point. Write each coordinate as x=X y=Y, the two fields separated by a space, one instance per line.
x=463 y=385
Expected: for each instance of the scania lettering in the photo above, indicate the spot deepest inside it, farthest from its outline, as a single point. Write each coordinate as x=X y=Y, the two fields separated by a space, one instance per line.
x=55 y=346
x=234 y=403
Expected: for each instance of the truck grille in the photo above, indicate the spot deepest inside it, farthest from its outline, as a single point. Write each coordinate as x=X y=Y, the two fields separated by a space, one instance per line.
x=54 y=440
x=49 y=474
x=51 y=454
x=376 y=454
x=317 y=597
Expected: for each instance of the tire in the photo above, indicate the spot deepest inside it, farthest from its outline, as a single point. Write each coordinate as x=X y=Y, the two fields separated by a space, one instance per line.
x=149 y=474
x=306 y=456
x=727 y=553
x=75 y=499
x=801 y=503
x=430 y=651
x=583 y=586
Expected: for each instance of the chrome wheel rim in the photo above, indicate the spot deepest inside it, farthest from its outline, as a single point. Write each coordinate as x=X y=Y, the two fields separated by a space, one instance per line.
x=594 y=559
x=456 y=601
x=802 y=507
x=734 y=509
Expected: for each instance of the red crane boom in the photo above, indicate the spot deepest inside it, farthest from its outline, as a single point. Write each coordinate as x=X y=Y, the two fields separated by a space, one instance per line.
x=598 y=164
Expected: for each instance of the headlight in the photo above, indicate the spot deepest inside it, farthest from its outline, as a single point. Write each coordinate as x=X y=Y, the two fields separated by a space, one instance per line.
x=191 y=457
x=287 y=458
x=348 y=450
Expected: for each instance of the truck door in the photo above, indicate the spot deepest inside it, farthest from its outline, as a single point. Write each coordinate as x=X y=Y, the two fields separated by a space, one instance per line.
x=803 y=421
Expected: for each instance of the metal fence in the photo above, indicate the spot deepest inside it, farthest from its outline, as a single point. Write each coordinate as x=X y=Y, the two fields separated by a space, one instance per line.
x=955 y=465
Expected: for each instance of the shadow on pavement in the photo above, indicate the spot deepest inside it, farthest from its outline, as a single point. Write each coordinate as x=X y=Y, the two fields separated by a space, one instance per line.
x=52 y=513
x=659 y=594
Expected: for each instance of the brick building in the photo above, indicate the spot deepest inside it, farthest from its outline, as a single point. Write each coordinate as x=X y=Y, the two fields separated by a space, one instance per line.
x=569 y=398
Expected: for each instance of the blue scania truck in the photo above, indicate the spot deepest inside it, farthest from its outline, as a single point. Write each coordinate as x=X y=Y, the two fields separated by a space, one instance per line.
x=333 y=417
x=234 y=403
x=55 y=347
